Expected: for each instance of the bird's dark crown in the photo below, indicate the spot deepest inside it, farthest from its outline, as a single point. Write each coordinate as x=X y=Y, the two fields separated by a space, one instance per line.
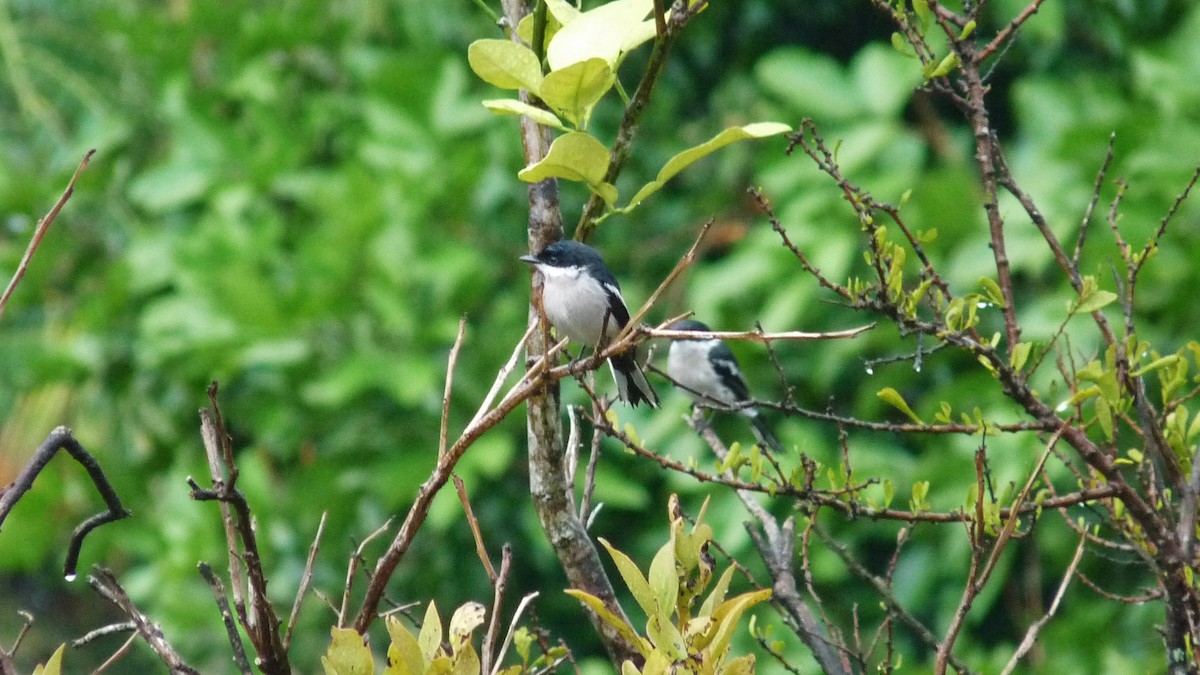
x=567 y=253
x=690 y=324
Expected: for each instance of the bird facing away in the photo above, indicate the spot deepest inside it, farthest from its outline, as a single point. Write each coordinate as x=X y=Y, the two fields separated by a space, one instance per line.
x=582 y=300
x=707 y=370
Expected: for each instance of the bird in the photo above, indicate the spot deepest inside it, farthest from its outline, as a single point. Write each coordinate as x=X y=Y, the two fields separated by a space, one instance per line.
x=708 y=372
x=582 y=300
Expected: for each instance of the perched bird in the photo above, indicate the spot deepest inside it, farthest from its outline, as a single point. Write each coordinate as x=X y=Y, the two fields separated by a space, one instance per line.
x=582 y=300
x=708 y=371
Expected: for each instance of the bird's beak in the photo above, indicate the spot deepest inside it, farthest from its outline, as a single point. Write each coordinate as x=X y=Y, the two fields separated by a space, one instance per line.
x=532 y=260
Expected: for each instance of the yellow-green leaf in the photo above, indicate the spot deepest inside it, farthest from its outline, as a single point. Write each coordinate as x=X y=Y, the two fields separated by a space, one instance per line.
x=574 y=90
x=992 y=290
x=742 y=665
x=347 y=654
x=1090 y=302
x=1105 y=417
x=511 y=106
x=430 y=638
x=945 y=66
x=626 y=631
x=728 y=615
x=1020 y=354
x=665 y=636
x=893 y=398
x=466 y=661
x=604 y=32
x=663 y=579
x=505 y=64
x=638 y=586
x=54 y=665
x=717 y=596
x=464 y=621
x=404 y=654
x=575 y=156
x=692 y=155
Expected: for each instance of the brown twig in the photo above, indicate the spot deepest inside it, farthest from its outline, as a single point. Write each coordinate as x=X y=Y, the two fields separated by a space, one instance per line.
x=473 y=522
x=1031 y=635
x=231 y=631
x=489 y=659
x=259 y=618
x=305 y=582
x=106 y=585
x=62 y=439
x=451 y=363
x=43 y=226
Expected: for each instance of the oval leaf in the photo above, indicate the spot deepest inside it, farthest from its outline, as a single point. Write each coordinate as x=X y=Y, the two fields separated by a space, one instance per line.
x=604 y=32
x=893 y=397
x=573 y=91
x=505 y=64
x=347 y=654
x=511 y=106
x=575 y=156
x=680 y=161
x=1090 y=302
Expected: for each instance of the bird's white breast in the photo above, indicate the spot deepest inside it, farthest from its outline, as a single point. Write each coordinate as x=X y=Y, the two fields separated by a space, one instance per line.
x=687 y=364
x=576 y=304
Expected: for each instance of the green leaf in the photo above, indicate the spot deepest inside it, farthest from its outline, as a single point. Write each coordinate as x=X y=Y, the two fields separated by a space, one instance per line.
x=347 y=654
x=430 y=638
x=992 y=289
x=597 y=605
x=728 y=614
x=944 y=67
x=505 y=64
x=510 y=106
x=573 y=91
x=717 y=596
x=1091 y=298
x=1105 y=417
x=575 y=156
x=466 y=661
x=893 y=397
x=666 y=637
x=695 y=154
x=54 y=665
x=1020 y=354
x=605 y=32
x=663 y=579
x=404 y=654
x=637 y=584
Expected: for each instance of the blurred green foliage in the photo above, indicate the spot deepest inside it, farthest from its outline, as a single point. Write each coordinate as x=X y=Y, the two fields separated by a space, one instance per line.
x=300 y=199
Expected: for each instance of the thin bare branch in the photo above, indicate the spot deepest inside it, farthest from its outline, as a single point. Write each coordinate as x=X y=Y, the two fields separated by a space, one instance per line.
x=452 y=362
x=106 y=585
x=43 y=226
x=305 y=581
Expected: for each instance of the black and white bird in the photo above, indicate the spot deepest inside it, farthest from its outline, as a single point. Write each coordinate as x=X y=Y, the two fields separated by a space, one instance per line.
x=706 y=369
x=582 y=300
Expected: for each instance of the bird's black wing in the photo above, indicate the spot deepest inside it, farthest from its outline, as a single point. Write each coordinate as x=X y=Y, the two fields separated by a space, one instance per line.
x=725 y=365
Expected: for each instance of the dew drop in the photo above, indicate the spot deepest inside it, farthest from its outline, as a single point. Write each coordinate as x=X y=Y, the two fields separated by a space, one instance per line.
x=917 y=367
x=870 y=370
x=70 y=577
x=1062 y=406
x=983 y=305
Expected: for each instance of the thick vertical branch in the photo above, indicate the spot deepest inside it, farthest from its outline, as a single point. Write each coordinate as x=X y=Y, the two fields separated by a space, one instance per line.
x=547 y=478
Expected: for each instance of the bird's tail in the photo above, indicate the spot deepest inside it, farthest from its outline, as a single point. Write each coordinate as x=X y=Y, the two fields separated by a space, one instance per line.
x=762 y=431
x=632 y=386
